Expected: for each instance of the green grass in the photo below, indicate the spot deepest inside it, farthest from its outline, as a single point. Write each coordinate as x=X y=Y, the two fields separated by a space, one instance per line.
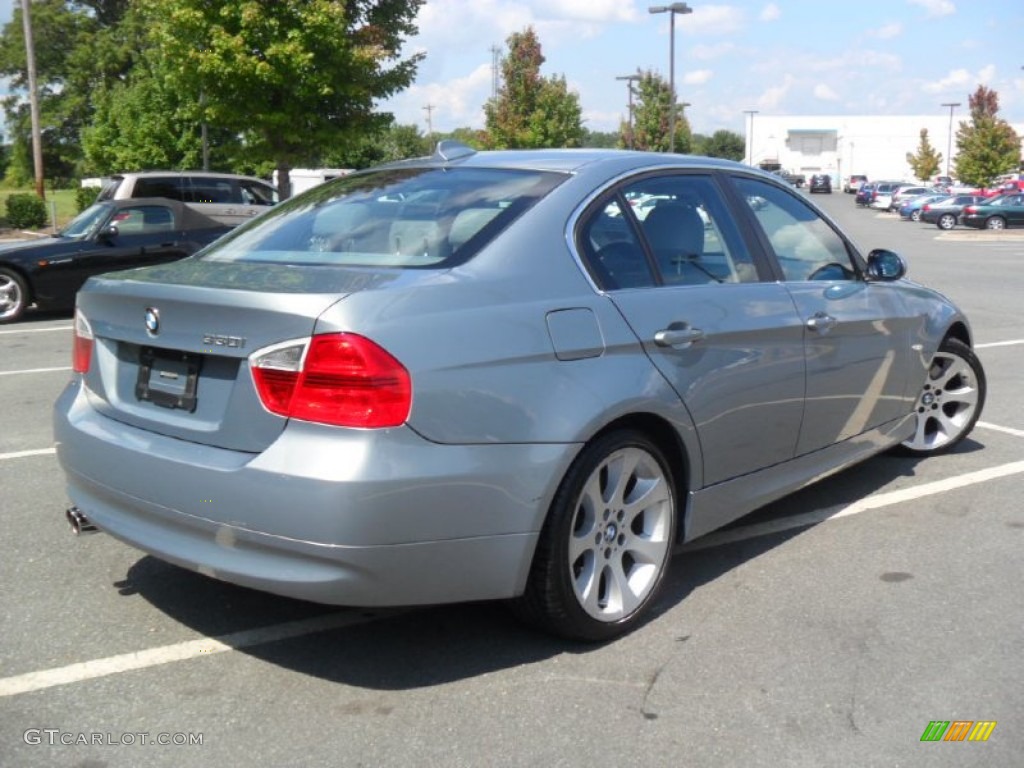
x=64 y=198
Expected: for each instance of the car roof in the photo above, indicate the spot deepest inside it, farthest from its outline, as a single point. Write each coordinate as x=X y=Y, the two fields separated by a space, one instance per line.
x=570 y=160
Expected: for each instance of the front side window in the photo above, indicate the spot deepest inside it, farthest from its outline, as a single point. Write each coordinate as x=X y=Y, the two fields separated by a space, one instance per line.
x=401 y=217
x=143 y=220
x=806 y=247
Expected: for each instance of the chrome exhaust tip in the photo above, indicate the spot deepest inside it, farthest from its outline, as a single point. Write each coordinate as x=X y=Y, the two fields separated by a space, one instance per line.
x=79 y=522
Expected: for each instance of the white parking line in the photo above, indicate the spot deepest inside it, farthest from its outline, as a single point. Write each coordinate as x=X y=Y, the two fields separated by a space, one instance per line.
x=864 y=505
x=997 y=428
x=35 y=370
x=23 y=454
x=38 y=330
x=190 y=649
x=999 y=344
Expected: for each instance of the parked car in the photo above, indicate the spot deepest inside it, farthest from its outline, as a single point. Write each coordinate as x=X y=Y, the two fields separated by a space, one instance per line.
x=107 y=236
x=863 y=196
x=820 y=182
x=854 y=183
x=882 y=194
x=995 y=213
x=519 y=390
x=224 y=197
x=946 y=213
x=796 y=179
x=911 y=209
x=907 y=191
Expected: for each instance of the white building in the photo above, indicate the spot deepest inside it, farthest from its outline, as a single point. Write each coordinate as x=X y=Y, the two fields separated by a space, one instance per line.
x=842 y=145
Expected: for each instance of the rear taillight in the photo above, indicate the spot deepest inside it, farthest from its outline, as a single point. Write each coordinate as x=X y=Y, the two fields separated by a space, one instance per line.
x=341 y=379
x=81 y=354
x=926 y=207
x=970 y=209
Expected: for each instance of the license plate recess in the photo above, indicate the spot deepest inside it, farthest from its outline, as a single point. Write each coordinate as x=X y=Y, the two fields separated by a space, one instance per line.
x=167 y=378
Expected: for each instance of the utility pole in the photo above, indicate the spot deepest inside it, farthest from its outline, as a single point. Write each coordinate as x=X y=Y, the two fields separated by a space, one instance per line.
x=630 y=79
x=495 y=59
x=33 y=98
x=429 y=109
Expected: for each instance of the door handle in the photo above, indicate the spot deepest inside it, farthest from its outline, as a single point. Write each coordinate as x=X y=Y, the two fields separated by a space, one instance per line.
x=678 y=335
x=821 y=323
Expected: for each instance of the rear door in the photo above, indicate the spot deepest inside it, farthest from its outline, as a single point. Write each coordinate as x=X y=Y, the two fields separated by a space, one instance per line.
x=730 y=344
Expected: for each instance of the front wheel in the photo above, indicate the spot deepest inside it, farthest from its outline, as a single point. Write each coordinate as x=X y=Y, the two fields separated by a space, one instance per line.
x=946 y=221
x=13 y=296
x=996 y=222
x=606 y=544
x=950 y=401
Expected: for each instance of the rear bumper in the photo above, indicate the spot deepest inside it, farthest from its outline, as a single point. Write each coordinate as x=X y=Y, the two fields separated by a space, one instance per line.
x=348 y=517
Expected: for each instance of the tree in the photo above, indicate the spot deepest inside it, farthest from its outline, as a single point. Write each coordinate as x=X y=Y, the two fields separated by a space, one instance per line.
x=290 y=76
x=926 y=162
x=987 y=146
x=650 y=118
x=531 y=111
x=80 y=46
x=726 y=144
x=396 y=142
x=601 y=139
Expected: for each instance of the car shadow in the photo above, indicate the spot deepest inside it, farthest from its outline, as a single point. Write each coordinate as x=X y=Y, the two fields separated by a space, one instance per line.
x=421 y=647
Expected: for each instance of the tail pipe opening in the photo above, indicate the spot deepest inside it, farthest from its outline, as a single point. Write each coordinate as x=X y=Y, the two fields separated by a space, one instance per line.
x=79 y=522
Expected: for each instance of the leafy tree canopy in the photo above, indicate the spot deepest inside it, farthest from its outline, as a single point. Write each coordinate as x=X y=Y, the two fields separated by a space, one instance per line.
x=651 y=109
x=926 y=162
x=725 y=144
x=289 y=76
x=531 y=111
x=987 y=146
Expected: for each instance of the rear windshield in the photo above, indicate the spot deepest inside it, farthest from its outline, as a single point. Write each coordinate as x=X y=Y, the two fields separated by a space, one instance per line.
x=401 y=217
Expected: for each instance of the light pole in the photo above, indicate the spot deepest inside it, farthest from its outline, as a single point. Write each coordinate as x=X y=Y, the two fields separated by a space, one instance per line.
x=751 y=112
x=671 y=10
x=949 y=144
x=630 y=79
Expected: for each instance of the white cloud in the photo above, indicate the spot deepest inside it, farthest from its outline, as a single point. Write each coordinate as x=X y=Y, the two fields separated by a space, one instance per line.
x=935 y=7
x=773 y=96
x=888 y=31
x=985 y=74
x=770 y=12
x=705 y=52
x=955 y=79
x=712 y=20
x=698 y=77
x=457 y=102
x=823 y=92
x=592 y=10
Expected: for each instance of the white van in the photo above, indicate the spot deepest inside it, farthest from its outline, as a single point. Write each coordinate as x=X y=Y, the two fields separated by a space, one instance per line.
x=224 y=197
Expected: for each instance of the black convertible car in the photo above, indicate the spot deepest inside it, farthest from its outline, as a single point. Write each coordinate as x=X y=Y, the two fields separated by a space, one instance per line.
x=112 y=235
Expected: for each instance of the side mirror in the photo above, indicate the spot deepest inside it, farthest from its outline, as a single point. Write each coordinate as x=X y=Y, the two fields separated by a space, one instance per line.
x=885 y=265
x=108 y=233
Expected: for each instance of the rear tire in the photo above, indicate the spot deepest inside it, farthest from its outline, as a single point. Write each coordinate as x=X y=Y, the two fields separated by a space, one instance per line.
x=946 y=221
x=606 y=543
x=13 y=295
x=950 y=401
x=996 y=222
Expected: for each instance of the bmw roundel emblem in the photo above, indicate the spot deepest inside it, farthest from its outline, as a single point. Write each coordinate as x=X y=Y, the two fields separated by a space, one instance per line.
x=152 y=321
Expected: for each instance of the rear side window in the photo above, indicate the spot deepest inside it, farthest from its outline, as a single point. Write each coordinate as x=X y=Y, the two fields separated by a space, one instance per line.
x=407 y=217
x=173 y=187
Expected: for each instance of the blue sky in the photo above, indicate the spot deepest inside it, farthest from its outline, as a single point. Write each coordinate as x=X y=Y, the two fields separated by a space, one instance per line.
x=797 y=57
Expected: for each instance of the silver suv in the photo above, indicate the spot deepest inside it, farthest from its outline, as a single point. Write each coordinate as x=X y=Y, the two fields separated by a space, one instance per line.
x=224 y=197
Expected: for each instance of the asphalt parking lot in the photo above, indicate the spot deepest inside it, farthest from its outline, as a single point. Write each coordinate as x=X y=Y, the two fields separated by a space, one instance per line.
x=828 y=629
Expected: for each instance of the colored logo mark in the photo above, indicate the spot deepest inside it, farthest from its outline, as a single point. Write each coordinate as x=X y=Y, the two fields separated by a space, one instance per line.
x=958 y=730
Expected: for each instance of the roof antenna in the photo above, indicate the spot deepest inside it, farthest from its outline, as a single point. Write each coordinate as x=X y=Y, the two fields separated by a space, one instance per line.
x=449 y=149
